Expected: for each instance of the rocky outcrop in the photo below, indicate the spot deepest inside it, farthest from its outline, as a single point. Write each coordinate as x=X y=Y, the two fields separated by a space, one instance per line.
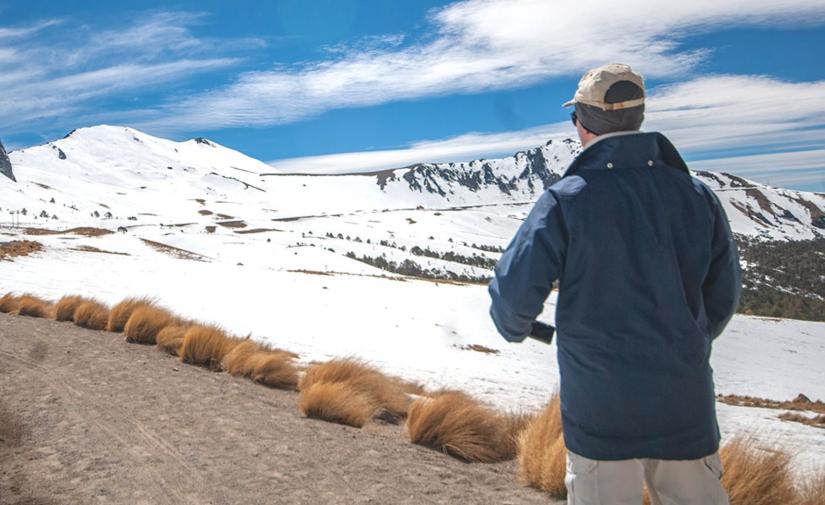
x=5 y=164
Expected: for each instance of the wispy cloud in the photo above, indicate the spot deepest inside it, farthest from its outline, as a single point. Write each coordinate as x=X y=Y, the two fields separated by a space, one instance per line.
x=7 y=33
x=478 y=45
x=46 y=81
x=464 y=147
x=784 y=122
x=804 y=169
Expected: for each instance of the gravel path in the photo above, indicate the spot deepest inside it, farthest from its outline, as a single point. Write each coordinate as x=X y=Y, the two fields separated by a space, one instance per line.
x=86 y=418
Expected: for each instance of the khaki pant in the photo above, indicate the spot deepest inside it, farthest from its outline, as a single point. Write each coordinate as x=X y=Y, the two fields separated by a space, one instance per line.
x=688 y=482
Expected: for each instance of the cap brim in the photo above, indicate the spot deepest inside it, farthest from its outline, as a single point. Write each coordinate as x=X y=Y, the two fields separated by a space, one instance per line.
x=569 y=103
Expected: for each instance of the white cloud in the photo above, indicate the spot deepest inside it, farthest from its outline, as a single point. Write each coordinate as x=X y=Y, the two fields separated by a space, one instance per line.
x=480 y=45
x=464 y=147
x=46 y=81
x=19 y=32
x=783 y=169
x=785 y=121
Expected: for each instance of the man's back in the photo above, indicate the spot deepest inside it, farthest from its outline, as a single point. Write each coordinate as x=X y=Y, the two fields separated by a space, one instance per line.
x=638 y=247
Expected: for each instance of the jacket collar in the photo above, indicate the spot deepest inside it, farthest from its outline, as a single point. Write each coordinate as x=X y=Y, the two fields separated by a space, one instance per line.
x=628 y=149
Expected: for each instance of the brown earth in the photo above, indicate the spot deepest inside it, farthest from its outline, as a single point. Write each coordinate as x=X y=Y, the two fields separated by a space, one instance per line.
x=18 y=248
x=87 y=418
x=86 y=231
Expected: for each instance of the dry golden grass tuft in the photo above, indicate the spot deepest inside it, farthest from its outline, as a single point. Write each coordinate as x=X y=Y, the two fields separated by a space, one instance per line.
x=65 y=308
x=461 y=426
x=801 y=402
x=542 y=456
x=34 y=306
x=121 y=312
x=817 y=420
x=18 y=248
x=812 y=491
x=379 y=391
x=146 y=322
x=236 y=361
x=9 y=303
x=274 y=369
x=270 y=367
x=337 y=402
x=170 y=339
x=206 y=346
x=756 y=476
x=92 y=314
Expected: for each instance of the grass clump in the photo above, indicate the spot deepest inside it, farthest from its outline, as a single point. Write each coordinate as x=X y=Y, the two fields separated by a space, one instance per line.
x=91 y=314
x=206 y=346
x=270 y=367
x=372 y=391
x=65 y=308
x=34 y=306
x=461 y=426
x=542 y=456
x=170 y=339
x=145 y=322
x=120 y=313
x=9 y=303
x=337 y=402
x=755 y=475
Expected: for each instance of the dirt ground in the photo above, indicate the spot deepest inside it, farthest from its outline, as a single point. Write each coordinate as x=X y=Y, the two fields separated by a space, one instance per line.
x=86 y=418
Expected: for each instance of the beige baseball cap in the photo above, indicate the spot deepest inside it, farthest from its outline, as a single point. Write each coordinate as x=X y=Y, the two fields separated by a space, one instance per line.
x=594 y=85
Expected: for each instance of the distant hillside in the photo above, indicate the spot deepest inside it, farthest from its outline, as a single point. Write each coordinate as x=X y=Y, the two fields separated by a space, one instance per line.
x=783 y=279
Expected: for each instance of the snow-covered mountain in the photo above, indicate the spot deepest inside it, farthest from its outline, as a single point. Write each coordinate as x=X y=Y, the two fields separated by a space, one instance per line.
x=120 y=174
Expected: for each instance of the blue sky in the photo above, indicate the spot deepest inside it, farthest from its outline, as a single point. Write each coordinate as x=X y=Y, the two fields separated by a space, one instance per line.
x=347 y=85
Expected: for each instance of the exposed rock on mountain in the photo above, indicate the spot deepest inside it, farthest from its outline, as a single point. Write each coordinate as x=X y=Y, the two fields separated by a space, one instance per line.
x=5 y=164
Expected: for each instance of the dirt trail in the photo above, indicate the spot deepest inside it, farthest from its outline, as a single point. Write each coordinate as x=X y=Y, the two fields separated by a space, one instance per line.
x=87 y=418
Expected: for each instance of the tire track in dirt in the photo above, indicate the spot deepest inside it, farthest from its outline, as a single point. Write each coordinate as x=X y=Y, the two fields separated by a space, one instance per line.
x=125 y=438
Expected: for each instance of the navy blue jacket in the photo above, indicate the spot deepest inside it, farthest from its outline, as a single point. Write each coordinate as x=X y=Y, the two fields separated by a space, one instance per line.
x=648 y=276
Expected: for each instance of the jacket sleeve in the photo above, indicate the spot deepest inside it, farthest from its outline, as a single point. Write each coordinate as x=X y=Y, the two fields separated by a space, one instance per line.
x=527 y=269
x=723 y=283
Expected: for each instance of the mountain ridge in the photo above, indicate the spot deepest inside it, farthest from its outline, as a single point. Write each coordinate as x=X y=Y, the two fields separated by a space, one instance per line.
x=127 y=162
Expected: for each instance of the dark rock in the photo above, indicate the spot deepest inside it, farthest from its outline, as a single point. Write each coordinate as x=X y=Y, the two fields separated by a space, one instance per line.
x=5 y=164
x=801 y=398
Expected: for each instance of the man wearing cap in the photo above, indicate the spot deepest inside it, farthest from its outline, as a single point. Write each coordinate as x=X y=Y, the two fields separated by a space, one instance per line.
x=648 y=277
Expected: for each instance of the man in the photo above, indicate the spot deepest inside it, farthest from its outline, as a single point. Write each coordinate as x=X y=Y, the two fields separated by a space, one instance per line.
x=648 y=276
